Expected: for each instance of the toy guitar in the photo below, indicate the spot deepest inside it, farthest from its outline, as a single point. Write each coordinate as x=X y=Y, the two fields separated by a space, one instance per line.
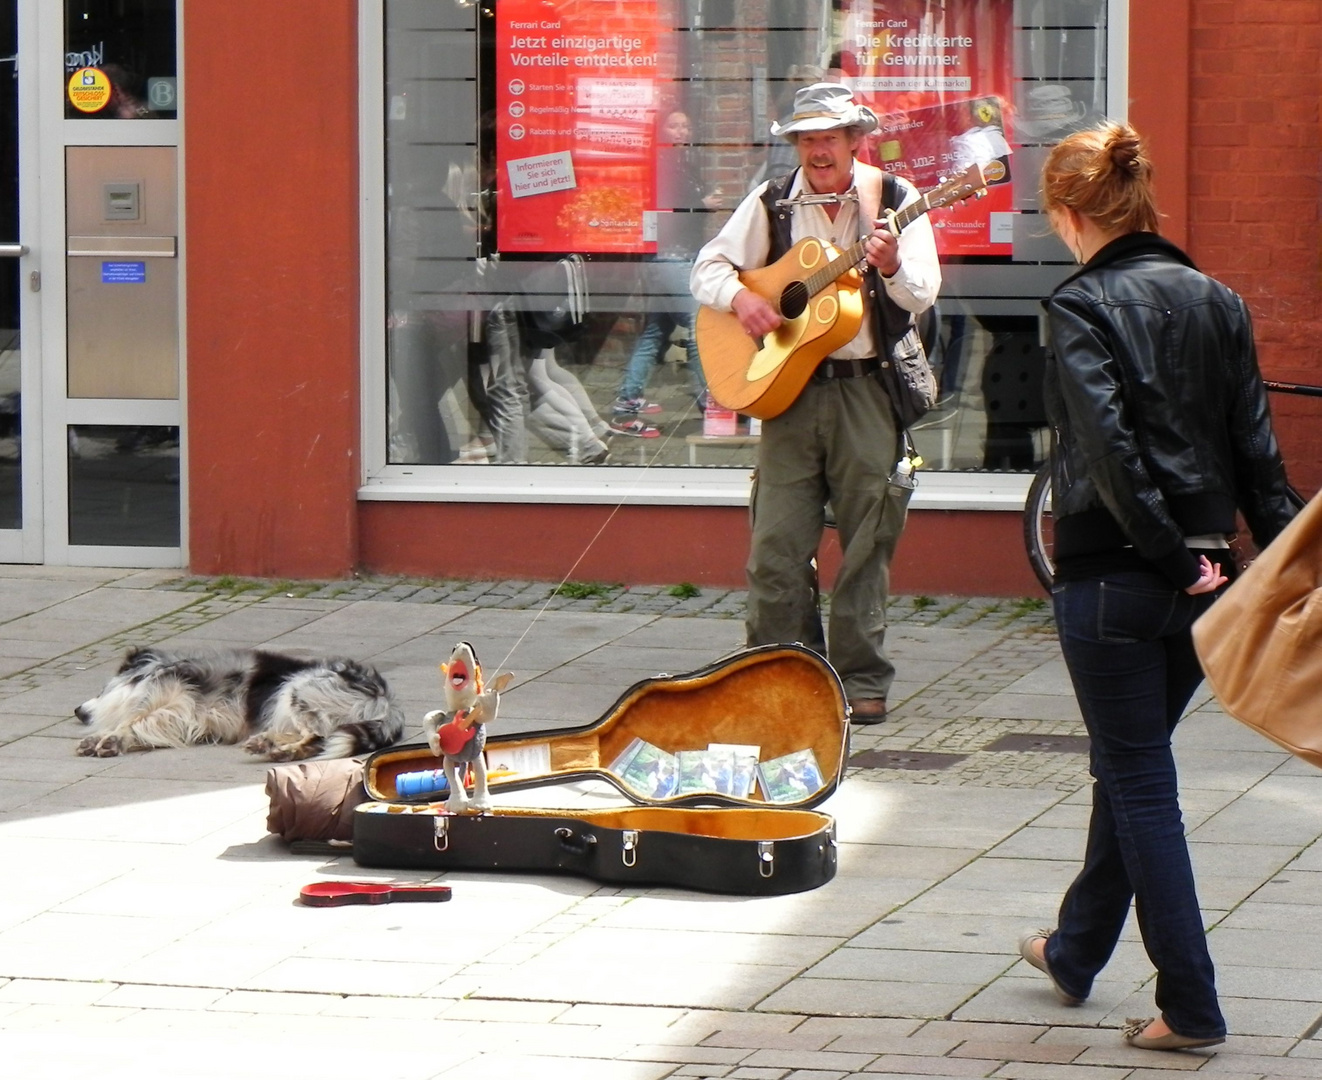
x=816 y=290
x=459 y=731
x=339 y=893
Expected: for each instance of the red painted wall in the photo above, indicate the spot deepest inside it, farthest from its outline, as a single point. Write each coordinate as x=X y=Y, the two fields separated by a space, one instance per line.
x=1229 y=95
x=271 y=157
x=941 y=553
x=1256 y=190
x=1159 y=57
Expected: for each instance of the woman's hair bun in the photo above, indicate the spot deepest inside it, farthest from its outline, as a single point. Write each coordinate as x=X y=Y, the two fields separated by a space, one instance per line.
x=1104 y=173
x=1126 y=151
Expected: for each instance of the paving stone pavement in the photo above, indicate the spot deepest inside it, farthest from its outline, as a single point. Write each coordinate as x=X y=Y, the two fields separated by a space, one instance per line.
x=150 y=918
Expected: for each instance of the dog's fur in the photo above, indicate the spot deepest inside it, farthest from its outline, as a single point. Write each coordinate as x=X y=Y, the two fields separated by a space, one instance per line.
x=285 y=707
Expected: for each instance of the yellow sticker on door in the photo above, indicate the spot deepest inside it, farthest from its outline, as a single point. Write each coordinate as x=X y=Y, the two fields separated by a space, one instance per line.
x=89 y=89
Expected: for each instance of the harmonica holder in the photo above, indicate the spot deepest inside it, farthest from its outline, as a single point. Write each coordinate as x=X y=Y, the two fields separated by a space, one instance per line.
x=805 y=199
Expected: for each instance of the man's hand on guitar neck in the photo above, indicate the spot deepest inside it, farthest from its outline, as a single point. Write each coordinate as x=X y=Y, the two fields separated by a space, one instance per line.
x=754 y=313
x=883 y=250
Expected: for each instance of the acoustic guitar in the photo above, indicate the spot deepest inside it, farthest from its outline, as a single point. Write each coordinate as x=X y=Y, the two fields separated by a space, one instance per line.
x=817 y=291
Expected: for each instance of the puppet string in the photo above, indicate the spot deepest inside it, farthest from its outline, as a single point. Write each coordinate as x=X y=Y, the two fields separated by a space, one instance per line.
x=597 y=535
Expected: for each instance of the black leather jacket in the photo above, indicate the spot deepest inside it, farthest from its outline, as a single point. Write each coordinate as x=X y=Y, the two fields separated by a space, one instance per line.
x=1160 y=418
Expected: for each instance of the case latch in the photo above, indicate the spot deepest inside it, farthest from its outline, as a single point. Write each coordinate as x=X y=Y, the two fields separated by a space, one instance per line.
x=630 y=852
x=441 y=833
x=766 y=857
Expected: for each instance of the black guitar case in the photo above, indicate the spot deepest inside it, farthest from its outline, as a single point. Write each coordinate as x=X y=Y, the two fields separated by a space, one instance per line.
x=782 y=699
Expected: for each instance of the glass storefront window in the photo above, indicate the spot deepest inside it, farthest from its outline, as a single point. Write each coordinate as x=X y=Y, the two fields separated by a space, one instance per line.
x=120 y=60
x=551 y=169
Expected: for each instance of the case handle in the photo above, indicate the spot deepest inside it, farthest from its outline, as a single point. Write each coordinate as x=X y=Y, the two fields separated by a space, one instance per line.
x=575 y=844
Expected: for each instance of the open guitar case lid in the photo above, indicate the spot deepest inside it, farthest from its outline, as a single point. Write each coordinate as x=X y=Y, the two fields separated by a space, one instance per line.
x=782 y=699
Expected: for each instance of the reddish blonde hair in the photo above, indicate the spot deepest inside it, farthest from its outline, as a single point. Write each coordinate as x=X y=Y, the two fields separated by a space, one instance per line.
x=1105 y=174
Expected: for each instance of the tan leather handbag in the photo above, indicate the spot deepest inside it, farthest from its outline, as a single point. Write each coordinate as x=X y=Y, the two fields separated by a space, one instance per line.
x=1261 y=643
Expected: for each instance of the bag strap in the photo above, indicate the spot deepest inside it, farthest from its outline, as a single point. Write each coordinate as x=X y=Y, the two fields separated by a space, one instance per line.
x=929 y=321
x=576 y=287
x=890 y=192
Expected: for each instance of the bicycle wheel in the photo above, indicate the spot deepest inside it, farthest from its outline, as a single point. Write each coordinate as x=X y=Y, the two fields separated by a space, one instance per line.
x=1039 y=534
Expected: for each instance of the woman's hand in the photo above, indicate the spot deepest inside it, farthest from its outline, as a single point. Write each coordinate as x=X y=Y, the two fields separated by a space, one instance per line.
x=1210 y=578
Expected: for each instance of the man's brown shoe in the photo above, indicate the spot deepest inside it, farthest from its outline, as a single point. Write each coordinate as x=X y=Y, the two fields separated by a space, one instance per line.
x=867 y=710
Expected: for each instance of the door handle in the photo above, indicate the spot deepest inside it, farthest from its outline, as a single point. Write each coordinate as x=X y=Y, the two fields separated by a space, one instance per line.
x=124 y=247
x=13 y=251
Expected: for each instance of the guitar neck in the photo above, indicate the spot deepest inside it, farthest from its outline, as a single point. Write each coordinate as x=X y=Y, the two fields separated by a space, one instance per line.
x=855 y=254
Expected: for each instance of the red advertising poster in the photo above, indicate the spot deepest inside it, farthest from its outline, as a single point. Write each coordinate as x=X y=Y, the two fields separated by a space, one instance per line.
x=577 y=85
x=939 y=77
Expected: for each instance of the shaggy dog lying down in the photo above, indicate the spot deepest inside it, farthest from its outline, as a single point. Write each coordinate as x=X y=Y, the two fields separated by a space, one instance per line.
x=284 y=707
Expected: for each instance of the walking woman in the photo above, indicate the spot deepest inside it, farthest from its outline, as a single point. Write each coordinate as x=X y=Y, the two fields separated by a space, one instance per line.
x=1162 y=431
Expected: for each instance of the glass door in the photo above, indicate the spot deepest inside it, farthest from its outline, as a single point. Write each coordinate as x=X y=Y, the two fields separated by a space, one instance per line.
x=90 y=250
x=20 y=449
x=112 y=415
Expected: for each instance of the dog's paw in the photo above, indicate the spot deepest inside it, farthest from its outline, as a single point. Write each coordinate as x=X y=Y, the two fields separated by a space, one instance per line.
x=286 y=747
x=292 y=752
x=100 y=746
x=259 y=744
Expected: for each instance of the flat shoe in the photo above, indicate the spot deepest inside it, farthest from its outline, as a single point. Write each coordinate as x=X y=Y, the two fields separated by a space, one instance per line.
x=1026 y=951
x=1133 y=1030
x=867 y=710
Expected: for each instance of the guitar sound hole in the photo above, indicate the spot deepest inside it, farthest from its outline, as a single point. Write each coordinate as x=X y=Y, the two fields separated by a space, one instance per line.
x=793 y=300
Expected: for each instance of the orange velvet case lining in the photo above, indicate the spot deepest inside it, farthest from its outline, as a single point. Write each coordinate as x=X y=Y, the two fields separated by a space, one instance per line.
x=781 y=698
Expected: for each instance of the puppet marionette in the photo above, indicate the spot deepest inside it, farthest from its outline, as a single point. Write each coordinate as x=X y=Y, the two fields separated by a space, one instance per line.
x=460 y=729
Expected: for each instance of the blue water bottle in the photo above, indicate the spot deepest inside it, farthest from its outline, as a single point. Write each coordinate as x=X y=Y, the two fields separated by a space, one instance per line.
x=426 y=782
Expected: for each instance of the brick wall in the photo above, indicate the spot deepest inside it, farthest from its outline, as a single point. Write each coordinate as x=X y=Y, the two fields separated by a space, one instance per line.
x=1255 y=179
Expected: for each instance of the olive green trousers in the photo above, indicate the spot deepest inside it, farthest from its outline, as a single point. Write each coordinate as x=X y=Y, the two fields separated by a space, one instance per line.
x=837 y=442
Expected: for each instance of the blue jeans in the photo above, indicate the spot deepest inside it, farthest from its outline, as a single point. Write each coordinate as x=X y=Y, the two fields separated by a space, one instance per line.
x=652 y=340
x=1127 y=644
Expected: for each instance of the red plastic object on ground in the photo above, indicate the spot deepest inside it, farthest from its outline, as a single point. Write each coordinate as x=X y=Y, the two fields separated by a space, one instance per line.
x=339 y=893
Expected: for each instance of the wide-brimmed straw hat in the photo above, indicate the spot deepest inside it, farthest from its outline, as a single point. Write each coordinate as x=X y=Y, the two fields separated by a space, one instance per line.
x=823 y=107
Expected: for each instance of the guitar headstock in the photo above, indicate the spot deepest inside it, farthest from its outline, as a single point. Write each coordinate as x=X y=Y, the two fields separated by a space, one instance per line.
x=972 y=183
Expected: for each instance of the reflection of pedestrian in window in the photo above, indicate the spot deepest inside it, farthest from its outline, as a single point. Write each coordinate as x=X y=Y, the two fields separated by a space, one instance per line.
x=514 y=382
x=562 y=414
x=679 y=234
x=427 y=359
x=525 y=389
